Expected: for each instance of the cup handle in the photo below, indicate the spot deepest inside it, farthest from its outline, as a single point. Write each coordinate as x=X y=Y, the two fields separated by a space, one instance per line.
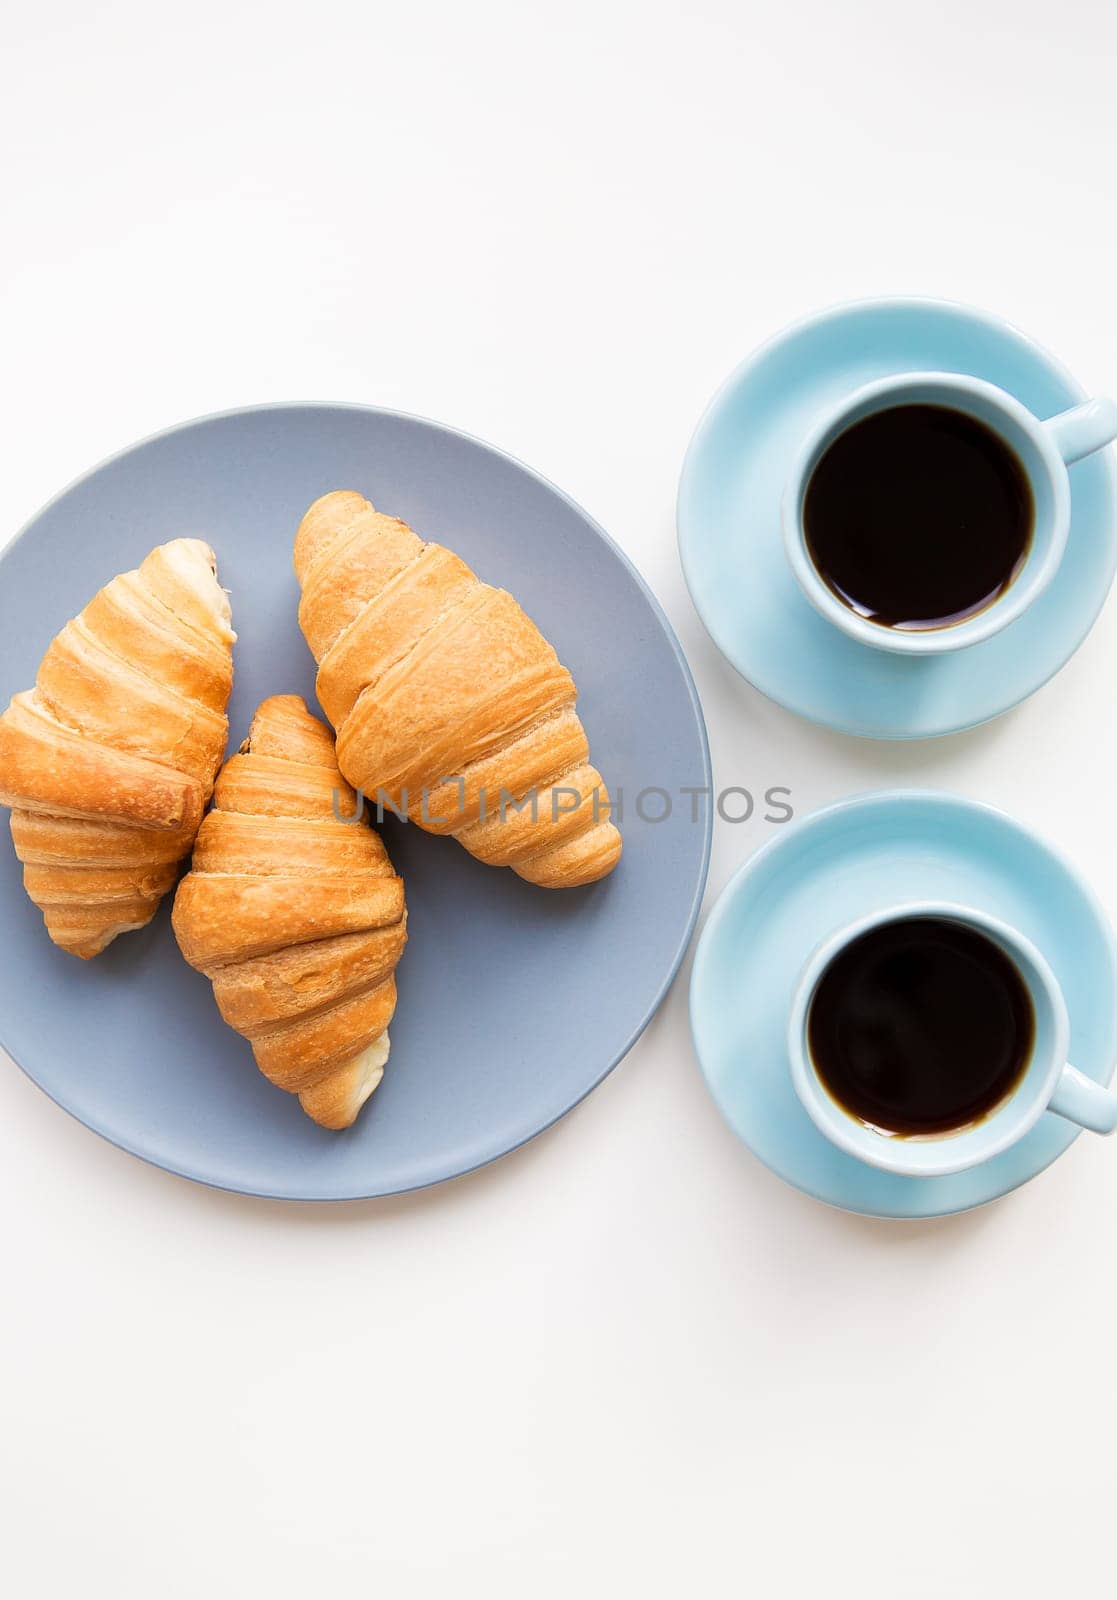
x=1079 y=1099
x=1083 y=429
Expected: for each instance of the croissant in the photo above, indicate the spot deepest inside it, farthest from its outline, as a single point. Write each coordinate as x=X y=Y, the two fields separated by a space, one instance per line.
x=109 y=761
x=296 y=915
x=447 y=700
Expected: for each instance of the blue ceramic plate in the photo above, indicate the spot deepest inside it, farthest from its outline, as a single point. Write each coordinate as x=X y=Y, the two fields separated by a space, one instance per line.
x=514 y=1002
x=732 y=547
x=840 y=864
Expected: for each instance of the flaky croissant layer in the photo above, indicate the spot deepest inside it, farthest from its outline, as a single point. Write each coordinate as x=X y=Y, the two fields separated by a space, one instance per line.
x=295 y=916
x=447 y=699
x=108 y=762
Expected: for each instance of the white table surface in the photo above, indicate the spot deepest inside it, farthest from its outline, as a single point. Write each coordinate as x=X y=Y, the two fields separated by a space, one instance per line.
x=626 y=1360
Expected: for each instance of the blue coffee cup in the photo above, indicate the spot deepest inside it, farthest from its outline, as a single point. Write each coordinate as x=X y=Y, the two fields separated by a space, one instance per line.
x=1047 y=1083
x=1044 y=449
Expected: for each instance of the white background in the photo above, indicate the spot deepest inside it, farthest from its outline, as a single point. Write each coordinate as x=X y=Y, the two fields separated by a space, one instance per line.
x=626 y=1359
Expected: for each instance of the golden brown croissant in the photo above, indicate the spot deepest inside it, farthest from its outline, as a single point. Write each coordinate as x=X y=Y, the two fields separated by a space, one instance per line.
x=447 y=699
x=296 y=916
x=109 y=761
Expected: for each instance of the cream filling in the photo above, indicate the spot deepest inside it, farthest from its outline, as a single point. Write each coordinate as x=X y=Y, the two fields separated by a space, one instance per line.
x=193 y=563
x=370 y=1066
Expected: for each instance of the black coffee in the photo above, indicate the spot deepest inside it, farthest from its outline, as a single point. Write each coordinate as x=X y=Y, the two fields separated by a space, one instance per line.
x=920 y=1026
x=918 y=517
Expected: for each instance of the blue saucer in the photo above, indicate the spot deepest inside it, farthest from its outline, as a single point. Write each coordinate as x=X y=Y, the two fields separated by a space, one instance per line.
x=732 y=552
x=844 y=862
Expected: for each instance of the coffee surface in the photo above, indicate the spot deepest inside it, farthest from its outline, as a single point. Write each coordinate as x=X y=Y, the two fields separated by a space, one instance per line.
x=918 y=516
x=920 y=1026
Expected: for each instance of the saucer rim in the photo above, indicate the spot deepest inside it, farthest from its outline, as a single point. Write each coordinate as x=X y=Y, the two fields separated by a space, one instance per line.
x=863 y=799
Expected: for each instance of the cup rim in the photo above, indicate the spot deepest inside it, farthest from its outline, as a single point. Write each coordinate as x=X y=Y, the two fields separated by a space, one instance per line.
x=1033 y=579
x=938 y=1155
